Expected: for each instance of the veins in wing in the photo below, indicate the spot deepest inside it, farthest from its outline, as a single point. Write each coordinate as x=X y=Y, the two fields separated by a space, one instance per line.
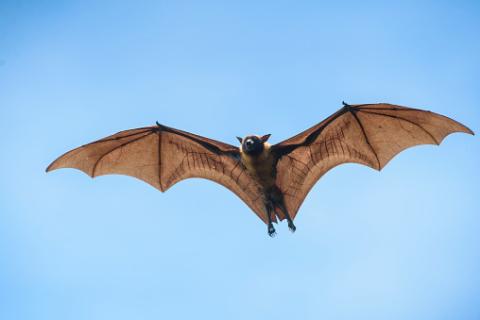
x=401 y=119
x=72 y=153
x=121 y=146
x=355 y=116
x=197 y=139
x=159 y=135
x=204 y=161
x=192 y=160
x=332 y=146
x=298 y=171
x=196 y=162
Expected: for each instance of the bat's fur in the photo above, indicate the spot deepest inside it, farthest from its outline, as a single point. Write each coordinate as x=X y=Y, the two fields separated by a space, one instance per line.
x=260 y=164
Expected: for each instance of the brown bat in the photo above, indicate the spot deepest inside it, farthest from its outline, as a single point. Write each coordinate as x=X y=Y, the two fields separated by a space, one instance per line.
x=273 y=180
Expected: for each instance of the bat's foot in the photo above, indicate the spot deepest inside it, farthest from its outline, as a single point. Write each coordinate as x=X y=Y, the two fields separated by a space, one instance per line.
x=291 y=226
x=271 y=230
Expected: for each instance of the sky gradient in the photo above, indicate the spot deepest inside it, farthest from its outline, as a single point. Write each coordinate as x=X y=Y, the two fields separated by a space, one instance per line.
x=400 y=244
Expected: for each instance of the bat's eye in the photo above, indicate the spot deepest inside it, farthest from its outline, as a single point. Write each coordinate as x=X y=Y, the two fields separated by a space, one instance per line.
x=249 y=142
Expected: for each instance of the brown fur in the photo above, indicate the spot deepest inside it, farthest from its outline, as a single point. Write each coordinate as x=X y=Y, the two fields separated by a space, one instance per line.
x=261 y=167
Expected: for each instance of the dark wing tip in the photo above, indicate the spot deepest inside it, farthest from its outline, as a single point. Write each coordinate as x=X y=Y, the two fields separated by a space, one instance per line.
x=464 y=128
x=50 y=167
x=469 y=131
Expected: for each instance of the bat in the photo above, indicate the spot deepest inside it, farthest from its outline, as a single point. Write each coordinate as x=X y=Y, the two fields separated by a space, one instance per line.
x=273 y=180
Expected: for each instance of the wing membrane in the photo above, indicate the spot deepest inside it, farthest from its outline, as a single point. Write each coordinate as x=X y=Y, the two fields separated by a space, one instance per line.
x=162 y=156
x=370 y=134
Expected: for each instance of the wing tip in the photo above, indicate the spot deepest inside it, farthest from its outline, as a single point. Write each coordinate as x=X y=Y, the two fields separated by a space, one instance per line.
x=465 y=130
x=461 y=127
x=469 y=131
x=51 y=167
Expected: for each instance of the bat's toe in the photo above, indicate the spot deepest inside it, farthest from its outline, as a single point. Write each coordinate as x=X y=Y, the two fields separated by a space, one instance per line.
x=271 y=231
x=291 y=226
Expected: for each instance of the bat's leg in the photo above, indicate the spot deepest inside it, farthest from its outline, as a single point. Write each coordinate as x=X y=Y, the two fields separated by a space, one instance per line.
x=282 y=207
x=269 y=209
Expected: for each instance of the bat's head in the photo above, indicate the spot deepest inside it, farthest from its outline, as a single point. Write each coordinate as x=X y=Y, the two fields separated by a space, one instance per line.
x=253 y=145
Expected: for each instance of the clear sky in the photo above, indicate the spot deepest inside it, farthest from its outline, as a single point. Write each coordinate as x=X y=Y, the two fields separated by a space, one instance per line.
x=400 y=244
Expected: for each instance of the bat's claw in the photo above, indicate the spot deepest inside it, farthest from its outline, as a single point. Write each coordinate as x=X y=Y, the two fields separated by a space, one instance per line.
x=271 y=231
x=291 y=226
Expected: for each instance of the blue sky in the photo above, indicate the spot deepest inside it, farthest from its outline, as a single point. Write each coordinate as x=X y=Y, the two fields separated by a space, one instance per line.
x=400 y=244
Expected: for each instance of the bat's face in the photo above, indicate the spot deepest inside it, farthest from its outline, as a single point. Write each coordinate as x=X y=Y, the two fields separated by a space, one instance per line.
x=254 y=145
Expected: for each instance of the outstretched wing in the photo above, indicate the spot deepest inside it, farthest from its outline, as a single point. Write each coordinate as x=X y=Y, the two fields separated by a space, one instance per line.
x=163 y=156
x=369 y=134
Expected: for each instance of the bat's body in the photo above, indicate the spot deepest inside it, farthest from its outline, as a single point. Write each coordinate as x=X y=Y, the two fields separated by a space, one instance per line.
x=261 y=166
x=273 y=180
x=260 y=163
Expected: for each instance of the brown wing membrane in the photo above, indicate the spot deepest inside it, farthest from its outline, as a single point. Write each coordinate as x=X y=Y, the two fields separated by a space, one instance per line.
x=369 y=134
x=163 y=156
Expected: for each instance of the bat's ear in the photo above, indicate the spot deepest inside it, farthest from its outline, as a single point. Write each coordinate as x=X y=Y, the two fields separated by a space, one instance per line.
x=265 y=137
x=240 y=139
